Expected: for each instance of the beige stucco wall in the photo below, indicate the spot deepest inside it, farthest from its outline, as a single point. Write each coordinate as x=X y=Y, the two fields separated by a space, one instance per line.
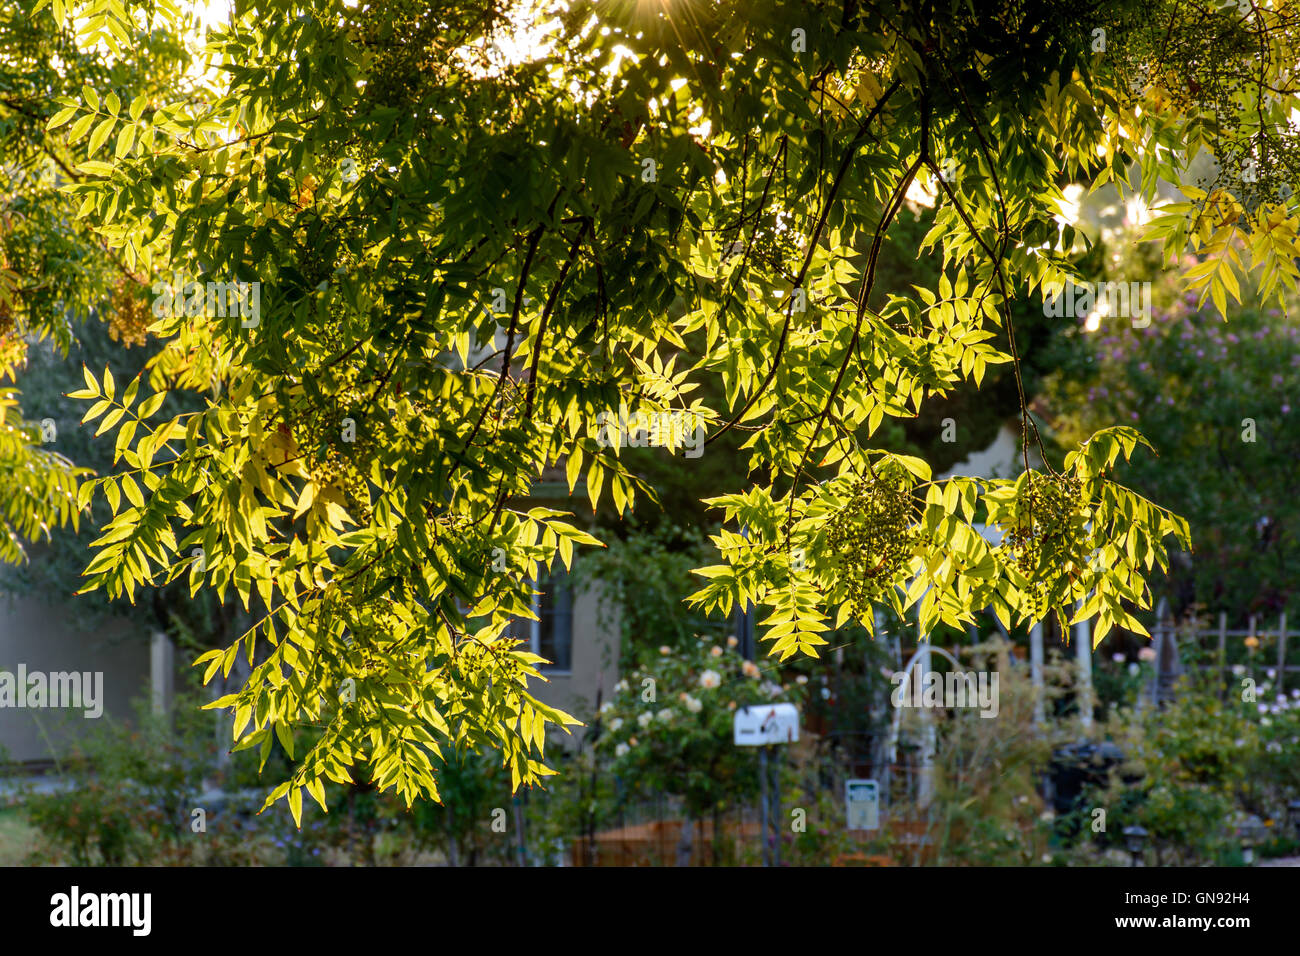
x=595 y=661
x=34 y=633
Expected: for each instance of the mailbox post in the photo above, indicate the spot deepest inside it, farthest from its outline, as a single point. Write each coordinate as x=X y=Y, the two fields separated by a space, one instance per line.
x=761 y=726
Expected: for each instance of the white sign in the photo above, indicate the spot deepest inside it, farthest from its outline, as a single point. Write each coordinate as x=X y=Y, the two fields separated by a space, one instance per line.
x=762 y=724
x=863 y=798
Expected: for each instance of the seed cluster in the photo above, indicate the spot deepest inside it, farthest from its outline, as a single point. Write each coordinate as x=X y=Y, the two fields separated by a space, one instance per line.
x=872 y=537
x=1209 y=63
x=128 y=314
x=319 y=430
x=1048 y=533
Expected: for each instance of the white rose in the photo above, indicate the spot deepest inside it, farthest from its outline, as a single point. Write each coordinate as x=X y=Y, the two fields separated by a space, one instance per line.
x=665 y=714
x=621 y=750
x=614 y=724
x=644 y=719
x=693 y=705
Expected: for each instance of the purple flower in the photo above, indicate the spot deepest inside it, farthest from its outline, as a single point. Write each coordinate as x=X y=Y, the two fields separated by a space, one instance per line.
x=1286 y=409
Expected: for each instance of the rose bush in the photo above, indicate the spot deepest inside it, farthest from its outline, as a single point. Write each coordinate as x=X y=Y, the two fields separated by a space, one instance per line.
x=668 y=727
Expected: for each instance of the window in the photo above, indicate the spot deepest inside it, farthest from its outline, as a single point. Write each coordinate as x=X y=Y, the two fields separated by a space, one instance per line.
x=551 y=635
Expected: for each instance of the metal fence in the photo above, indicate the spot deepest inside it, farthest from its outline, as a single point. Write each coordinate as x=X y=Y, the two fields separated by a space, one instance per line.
x=1221 y=648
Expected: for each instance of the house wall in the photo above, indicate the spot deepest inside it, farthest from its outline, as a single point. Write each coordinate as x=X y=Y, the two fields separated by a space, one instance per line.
x=32 y=632
x=1001 y=459
x=595 y=661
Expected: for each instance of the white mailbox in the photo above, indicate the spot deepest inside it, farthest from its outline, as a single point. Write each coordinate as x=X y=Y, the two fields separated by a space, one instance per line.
x=766 y=724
